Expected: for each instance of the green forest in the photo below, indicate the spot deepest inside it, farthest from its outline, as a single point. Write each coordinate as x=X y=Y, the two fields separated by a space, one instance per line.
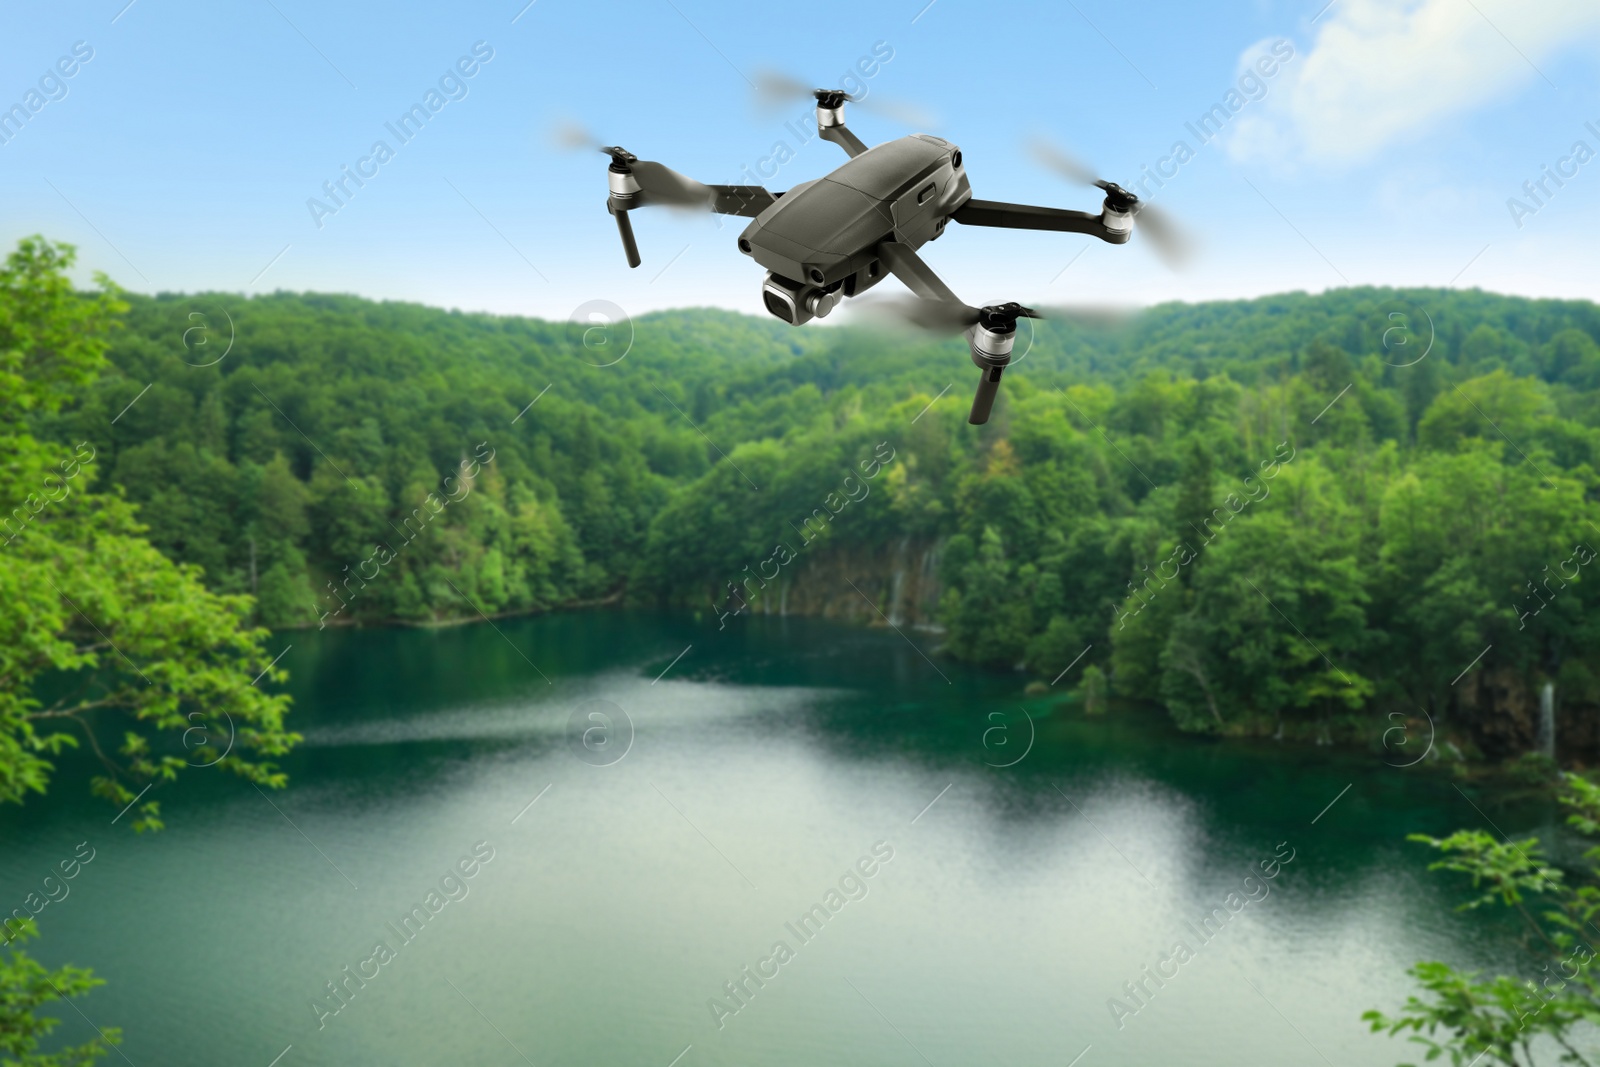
x=1286 y=516
x=1294 y=517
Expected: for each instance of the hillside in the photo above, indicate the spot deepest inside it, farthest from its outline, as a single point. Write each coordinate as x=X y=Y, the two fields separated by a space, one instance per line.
x=1272 y=516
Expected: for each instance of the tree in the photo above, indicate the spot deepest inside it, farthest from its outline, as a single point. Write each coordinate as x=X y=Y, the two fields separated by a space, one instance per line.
x=1093 y=690
x=1196 y=497
x=27 y=985
x=1275 y=627
x=101 y=632
x=989 y=618
x=1468 y=1016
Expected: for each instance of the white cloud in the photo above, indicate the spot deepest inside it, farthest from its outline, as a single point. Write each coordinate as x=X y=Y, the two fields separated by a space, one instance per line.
x=1380 y=70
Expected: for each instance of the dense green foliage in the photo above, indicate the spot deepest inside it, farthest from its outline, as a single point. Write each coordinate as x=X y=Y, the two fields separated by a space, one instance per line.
x=281 y=467
x=100 y=635
x=1500 y=1019
x=1273 y=515
x=99 y=625
x=27 y=985
x=1300 y=515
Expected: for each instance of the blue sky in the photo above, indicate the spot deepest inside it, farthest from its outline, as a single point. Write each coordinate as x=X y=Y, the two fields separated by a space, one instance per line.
x=183 y=153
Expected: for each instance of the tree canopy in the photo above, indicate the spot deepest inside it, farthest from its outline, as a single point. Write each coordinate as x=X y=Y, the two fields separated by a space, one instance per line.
x=103 y=640
x=1278 y=515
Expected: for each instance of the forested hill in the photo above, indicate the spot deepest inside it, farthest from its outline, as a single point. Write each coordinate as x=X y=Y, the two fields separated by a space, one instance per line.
x=1432 y=458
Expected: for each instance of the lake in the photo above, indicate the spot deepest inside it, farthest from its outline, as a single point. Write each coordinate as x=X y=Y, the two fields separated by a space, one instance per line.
x=952 y=882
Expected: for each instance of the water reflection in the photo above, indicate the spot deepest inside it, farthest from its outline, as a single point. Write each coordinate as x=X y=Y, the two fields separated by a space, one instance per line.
x=626 y=894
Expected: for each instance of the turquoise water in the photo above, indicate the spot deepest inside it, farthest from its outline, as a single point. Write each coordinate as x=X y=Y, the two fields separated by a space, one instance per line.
x=969 y=913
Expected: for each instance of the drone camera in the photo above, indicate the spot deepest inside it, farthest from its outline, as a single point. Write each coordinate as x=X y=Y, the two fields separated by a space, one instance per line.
x=795 y=302
x=784 y=299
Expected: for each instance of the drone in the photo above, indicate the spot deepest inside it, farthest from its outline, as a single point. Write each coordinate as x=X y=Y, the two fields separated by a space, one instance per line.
x=835 y=237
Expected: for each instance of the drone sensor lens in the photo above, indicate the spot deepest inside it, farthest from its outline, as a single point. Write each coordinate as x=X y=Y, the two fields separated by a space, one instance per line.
x=778 y=307
x=816 y=275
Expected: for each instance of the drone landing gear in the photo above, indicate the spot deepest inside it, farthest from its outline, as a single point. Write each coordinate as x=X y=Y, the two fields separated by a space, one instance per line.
x=991 y=339
x=630 y=247
x=624 y=194
x=991 y=351
x=990 y=331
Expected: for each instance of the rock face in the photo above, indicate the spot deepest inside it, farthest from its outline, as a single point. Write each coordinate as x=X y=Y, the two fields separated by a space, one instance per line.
x=1508 y=714
x=899 y=578
x=1577 y=731
x=1501 y=710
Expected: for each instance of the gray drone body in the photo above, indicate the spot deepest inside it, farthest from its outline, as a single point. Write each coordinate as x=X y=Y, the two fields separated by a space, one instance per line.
x=833 y=238
x=819 y=241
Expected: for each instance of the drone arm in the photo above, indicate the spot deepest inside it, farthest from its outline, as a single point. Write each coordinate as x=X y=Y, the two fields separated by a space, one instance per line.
x=841 y=136
x=830 y=122
x=916 y=274
x=627 y=195
x=1030 y=217
x=990 y=351
x=746 y=200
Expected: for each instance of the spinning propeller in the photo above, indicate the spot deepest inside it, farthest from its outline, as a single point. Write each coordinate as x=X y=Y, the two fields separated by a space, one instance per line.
x=990 y=330
x=947 y=316
x=637 y=182
x=1171 y=242
x=660 y=184
x=774 y=88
